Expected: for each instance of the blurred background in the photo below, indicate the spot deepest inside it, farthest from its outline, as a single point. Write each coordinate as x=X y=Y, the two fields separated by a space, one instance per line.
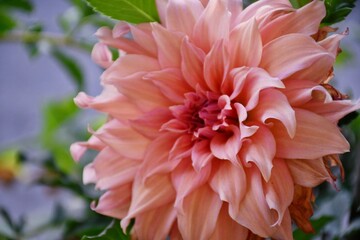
x=45 y=61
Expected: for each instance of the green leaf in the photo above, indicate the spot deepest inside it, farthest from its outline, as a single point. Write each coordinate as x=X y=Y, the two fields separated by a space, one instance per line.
x=71 y=67
x=7 y=23
x=133 y=11
x=337 y=10
x=247 y=3
x=299 y=3
x=318 y=224
x=24 y=5
x=55 y=115
x=33 y=47
x=112 y=232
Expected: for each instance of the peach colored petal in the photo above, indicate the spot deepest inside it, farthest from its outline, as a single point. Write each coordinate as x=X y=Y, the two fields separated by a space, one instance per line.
x=245 y=45
x=227 y=228
x=186 y=180
x=279 y=190
x=274 y=105
x=146 y=196
x=216 y=66
x=149 y=123
x=308 y=172
x=115 y=202
x=261 y=150
x=213 y=24
x=305 y=20
x=123 y=139
x=296 y=52
x=142 y=34
x=150 y=226
x=171 y=83
x=201 y=210
x=229 y=182
x=227 y=146
x=189 y=11
x=201 y=154
x=192 y=64
x=101 y=55
x=322 y=141
x=168 y=44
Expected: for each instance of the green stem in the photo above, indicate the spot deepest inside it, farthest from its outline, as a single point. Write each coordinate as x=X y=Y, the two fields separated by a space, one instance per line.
x=53 y=39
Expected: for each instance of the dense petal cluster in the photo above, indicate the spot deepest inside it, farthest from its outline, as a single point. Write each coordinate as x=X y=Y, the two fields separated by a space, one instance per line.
x=221 y=120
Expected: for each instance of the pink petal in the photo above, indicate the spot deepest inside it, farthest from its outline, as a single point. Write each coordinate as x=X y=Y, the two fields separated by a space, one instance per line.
x=227 y=145
x=123 y=139
x=201 y=154
x=89 y=174
x=216 y=66
x=245 y=131
x=245 y=45
x=229 y=182
x=146 y=196
x=188 y=11
x=310 y=141
x=192 y=64
x=308 y=172
x=212 y=25
x=305 y=20
x=101 y=55
x=201 y=210
x=156 y=159
x=227 y=228
x=168 y=44
x=254 y=212
x=186 y=180
x=274 y=105
x=261 y=150
x=150 y=226
x=115 y=202
x=334 y=110
x=295 y=51
x=171 y=83
x=279 y=190
x=113 y=170
x=109 y=101
x=142 y=34
x=256 y=80
x=149 y=123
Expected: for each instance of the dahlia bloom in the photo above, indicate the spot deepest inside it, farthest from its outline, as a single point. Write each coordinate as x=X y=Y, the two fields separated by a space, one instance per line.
x=220 y=120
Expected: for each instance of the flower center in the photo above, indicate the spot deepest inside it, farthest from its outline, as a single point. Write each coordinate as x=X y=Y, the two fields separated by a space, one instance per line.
x=201 y=115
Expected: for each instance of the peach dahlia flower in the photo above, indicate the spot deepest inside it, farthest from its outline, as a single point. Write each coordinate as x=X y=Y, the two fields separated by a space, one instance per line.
x=221 y=120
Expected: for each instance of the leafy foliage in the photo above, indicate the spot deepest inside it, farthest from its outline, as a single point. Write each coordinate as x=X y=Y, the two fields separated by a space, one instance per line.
x=337 y=10
x=112 y=232
x=133 y=11
x=318 y=224
x=71 y=66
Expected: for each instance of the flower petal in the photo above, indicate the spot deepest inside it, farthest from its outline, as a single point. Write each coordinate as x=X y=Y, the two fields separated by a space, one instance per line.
x=261 y=151
x=227 y=228
x=310 y=141
x=227 y=145
x=274 y=105
x=201 y=210
x=216 y=66
x=296 y=52
x=146 y=222
x=212 y=25
x=308 y=172
x=245 y=45
x=146 y=196
x=229 y=182
x=201 y=154
x=188 y=11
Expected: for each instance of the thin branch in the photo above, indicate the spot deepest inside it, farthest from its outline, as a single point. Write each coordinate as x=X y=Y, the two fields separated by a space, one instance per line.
x=53 y=39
